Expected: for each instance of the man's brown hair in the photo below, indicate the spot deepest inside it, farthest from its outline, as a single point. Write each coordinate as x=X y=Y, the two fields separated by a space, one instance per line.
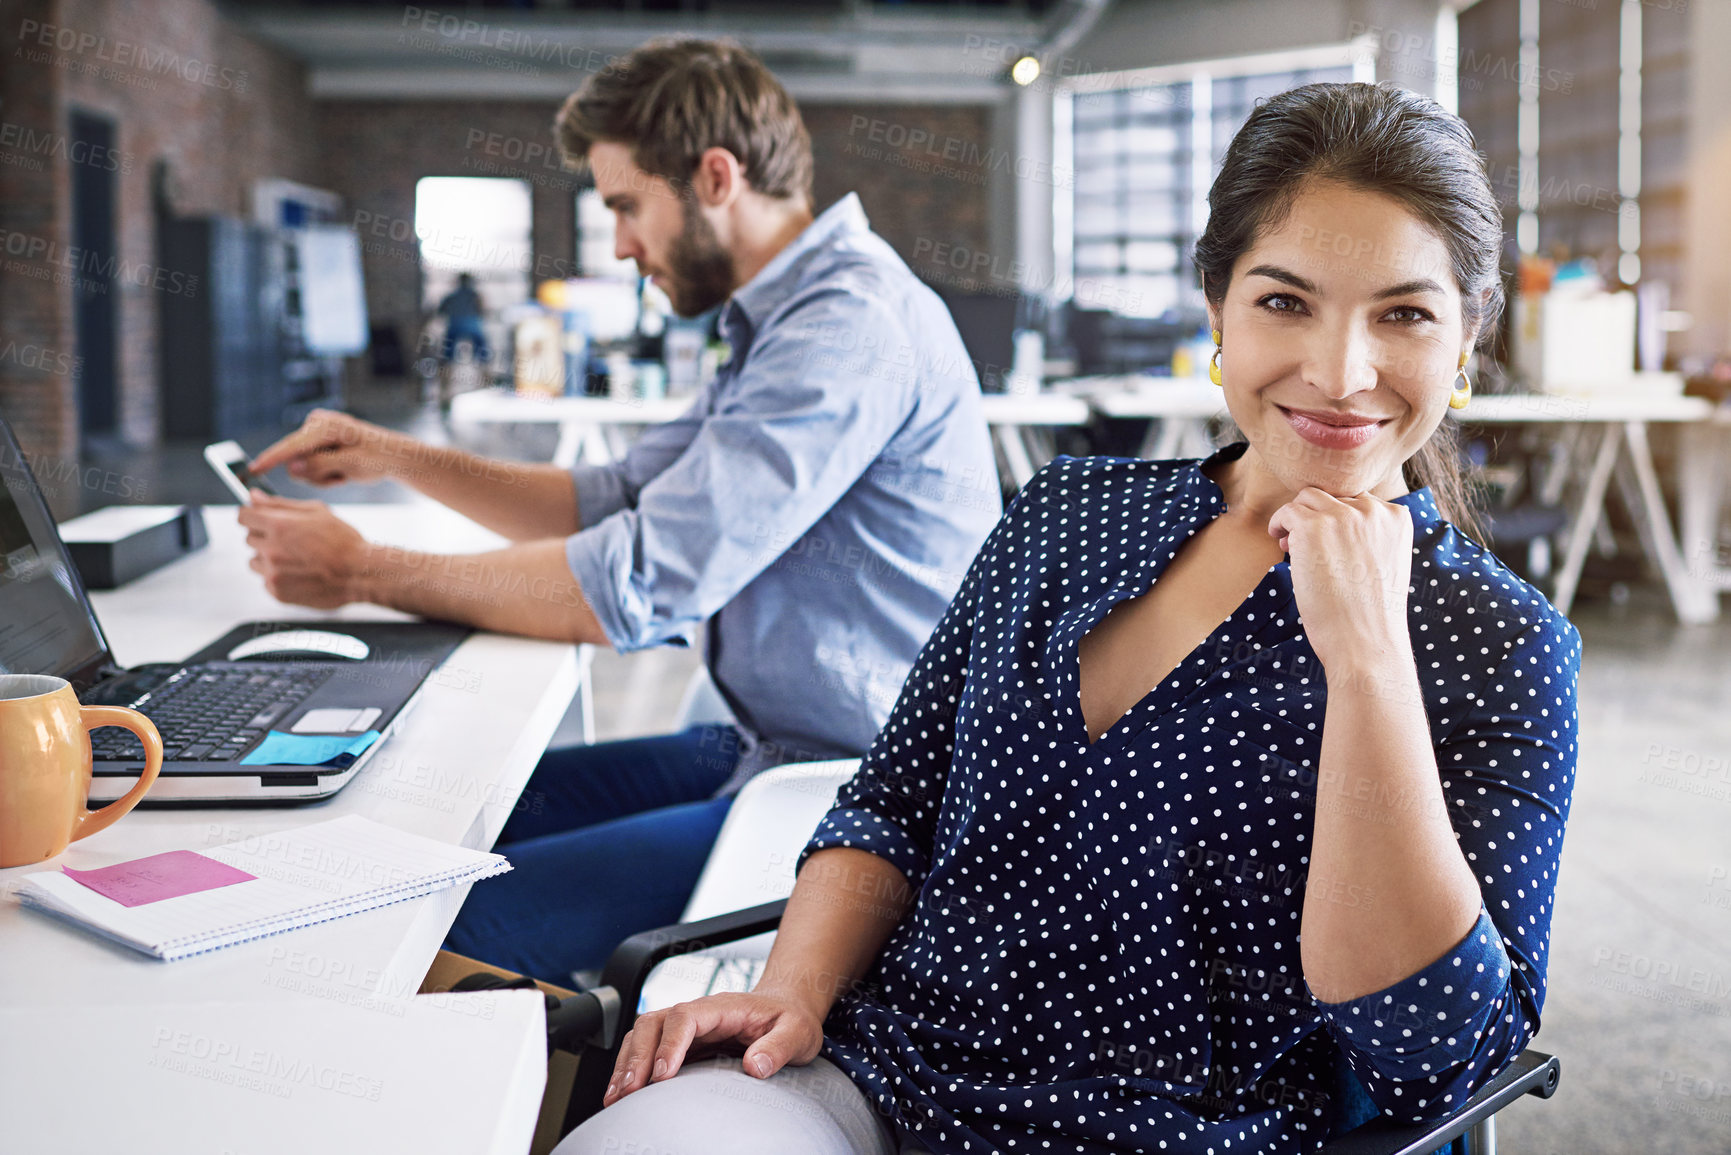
x=671 y=99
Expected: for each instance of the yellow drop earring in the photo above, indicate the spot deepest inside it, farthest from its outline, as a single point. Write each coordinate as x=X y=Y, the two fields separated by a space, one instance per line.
x=1463 y=392
x=1214 y=361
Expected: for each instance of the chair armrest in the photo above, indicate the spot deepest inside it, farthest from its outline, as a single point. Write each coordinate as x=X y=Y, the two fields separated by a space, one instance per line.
x=628 y=967
x=1531 y=1073
x=597 y=1039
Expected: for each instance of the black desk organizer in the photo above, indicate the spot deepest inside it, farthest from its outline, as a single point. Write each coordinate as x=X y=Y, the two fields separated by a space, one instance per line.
x=104 y=565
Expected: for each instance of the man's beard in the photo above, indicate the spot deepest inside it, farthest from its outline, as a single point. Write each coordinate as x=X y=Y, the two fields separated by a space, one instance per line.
x=699 y=270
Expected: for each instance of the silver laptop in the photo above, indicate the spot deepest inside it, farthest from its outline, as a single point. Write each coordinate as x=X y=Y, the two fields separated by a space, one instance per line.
x=265 y=690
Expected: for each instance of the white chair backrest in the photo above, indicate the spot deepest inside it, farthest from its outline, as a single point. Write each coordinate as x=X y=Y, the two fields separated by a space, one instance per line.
x=752 y=863
x=766 y=828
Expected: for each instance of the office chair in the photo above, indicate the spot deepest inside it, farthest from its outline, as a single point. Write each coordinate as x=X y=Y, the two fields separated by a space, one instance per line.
x=725 y=936
x=1522 y=514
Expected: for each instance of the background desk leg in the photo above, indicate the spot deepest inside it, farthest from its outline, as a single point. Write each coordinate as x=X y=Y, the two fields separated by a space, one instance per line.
x=585 y=692
x=1629 y=489
x=1559 y=465
x=618 y=439
x=1041 y=443
x=1167 y=436
x=1587 y=514
x=1172 y=433
x=1701 y=485
x=597 y=450
x=570 y=444
x=1016 y=458
x=1694 y=600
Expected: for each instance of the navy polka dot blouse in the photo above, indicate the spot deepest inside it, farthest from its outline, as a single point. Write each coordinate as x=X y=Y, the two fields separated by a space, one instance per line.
x=1103 y=954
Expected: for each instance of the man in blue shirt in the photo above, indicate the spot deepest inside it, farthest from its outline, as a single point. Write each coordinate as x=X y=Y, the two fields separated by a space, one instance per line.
x=817 y=506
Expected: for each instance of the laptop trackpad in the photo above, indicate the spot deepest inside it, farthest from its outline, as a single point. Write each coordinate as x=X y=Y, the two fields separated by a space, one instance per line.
x=337 y=721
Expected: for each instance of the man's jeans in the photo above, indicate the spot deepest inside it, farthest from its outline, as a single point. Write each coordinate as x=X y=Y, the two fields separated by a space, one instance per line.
x=607 y=840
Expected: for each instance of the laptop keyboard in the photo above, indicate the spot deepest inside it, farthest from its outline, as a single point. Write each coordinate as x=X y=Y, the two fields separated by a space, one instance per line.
x=211 y=715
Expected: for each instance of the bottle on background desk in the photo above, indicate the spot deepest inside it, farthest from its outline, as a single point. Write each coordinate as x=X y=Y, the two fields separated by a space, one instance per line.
x=576 y=351
x=621 y=376
x=651 y=380
x=1190 y=358
x=682 y=350
x=1183 y=364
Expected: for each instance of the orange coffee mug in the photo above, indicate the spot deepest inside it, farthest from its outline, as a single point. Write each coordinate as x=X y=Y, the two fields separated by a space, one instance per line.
x=45 y=766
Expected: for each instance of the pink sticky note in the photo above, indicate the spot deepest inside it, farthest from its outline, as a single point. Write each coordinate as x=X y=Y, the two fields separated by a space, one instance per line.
x=160 y=876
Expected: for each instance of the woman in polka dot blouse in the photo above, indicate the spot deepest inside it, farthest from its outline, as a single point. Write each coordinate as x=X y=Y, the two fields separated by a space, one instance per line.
x=1220 y=779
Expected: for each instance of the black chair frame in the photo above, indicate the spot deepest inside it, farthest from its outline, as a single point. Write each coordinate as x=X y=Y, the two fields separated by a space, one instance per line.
x=592 y=1024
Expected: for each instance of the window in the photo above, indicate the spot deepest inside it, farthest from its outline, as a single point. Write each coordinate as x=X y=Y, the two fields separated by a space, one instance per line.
x=1586 y=136
x=1144 y=147
x=476 y=225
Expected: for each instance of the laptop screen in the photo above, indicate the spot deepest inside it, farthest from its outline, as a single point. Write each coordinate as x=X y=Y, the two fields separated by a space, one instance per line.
x=46 y=624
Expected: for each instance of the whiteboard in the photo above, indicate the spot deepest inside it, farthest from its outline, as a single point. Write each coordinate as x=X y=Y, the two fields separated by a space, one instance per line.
x=333 y=301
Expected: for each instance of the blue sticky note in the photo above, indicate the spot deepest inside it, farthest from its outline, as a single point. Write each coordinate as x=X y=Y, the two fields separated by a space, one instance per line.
x=280 y=749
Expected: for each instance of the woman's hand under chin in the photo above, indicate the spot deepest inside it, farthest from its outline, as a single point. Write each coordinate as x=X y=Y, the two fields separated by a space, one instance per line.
x=1351 y=561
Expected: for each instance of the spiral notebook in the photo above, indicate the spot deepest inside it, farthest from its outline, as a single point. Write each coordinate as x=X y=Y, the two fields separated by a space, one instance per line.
x=185 y=903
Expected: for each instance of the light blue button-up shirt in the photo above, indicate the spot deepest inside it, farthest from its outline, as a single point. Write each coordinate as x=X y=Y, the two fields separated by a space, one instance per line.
x=819 y=503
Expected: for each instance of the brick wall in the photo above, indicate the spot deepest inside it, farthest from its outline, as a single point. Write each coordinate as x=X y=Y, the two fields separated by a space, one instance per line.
x=183 y=88
x=375 y=151
x=37 y=354
x=922 y=172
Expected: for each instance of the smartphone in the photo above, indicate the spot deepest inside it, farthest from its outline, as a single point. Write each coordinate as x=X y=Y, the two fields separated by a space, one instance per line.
x=229 y=461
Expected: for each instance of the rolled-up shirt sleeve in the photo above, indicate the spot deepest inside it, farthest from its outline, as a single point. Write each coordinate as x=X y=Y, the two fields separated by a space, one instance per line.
x=798 y=425
x=603 y=490
x=1426 y=1044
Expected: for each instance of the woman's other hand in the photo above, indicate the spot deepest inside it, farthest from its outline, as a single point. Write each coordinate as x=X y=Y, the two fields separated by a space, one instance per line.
x=775 y=1031
x=1351 y=561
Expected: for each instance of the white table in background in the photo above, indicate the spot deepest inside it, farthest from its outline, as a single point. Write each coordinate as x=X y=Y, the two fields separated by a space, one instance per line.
x=1021 y=425
x=591 y=429
x=1179 y=407
x=1608 y=431
x=452 y=772
x=597 y=429
x=1608 y=434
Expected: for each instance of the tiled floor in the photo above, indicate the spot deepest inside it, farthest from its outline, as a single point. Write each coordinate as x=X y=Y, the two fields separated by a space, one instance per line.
x=1639 y=1006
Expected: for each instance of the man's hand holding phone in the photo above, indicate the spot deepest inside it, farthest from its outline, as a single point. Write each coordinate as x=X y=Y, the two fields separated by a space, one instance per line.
x=307 y=555
x=229 y=461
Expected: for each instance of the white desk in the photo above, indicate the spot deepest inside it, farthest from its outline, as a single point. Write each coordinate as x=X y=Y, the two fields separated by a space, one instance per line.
x=1021 y=425
x=436 y=1075
x=593 y=429
x=1180 y=408
x=597 y=429
x=1607 y=436
x=453 y=772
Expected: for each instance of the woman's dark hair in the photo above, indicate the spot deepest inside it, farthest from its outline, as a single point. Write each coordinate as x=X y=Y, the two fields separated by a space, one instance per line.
x=1380 y=138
